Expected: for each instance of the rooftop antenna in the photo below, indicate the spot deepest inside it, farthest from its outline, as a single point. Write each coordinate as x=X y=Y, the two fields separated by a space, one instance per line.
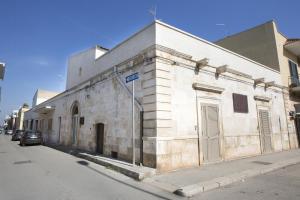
x=152 y=11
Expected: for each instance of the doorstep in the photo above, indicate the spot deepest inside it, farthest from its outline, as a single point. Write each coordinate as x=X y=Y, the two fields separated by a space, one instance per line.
x=136 y=172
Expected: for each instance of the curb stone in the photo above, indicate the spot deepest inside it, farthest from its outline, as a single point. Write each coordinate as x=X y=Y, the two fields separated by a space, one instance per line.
x=133 y=173
x=191 y=190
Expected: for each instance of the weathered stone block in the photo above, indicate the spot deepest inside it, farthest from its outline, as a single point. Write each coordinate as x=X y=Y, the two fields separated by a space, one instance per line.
x=148 y=83
x=148 y=68
x=150 y=132
x=163 y=98
x=164 y=123
x=164 y=147
x=150 y=107
x=149 y=91
x=163 y=82
x=149 y=99
x=163 y=74
x=149 y=146
x=150 y=115
x=150 y=123
x=149 y=160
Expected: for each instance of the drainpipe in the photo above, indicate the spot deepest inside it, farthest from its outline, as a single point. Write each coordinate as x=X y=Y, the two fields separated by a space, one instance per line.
x=141 y=137
x=198 y=133
x=141 y=113
x=287 y=119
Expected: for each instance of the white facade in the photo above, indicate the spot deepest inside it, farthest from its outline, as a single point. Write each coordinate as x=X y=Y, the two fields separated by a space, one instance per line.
x=42 y=95
x=81 y=65
x=2 y=70
x=170 y=93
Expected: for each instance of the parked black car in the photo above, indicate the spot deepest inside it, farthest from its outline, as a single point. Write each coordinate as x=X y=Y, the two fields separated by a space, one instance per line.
x=31 y=137
x=17 y=135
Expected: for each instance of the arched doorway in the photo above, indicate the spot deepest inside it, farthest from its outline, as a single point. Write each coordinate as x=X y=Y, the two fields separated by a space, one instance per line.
x=75 y=122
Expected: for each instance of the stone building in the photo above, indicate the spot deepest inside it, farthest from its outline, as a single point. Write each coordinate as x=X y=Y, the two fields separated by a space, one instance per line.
x=2 y=70
x=11 y=120
x=20 y=117
x=31 y=120
x=267 y=45
x=195 y=102
x=42 y=95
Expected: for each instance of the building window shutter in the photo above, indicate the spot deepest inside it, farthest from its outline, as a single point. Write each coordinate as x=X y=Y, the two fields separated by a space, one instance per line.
x=240 y=103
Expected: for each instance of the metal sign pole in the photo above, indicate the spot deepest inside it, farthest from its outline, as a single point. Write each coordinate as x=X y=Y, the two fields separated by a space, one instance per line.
x=131 y=78
x=133 y=135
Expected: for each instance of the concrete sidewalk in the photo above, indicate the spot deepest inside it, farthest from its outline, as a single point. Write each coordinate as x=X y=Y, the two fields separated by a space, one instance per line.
x=137 y=172
x=188 y=182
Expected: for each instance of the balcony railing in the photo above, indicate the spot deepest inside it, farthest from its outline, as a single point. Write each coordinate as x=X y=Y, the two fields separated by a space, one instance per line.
x=294 y=87
x=293 y=81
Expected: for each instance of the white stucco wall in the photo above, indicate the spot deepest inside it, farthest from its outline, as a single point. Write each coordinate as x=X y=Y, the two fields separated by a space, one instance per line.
x=239 y=132
x=183 y=42
x=81 y=65
x=125 y=50
x=42 y=95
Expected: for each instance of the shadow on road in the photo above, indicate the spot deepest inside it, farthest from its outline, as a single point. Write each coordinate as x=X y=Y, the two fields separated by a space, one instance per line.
x=82 y=162
x=86 y=164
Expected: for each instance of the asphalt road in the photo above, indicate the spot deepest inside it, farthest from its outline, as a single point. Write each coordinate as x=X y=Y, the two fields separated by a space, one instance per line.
x=39 y=172
x=280 y=184
x=42 y=173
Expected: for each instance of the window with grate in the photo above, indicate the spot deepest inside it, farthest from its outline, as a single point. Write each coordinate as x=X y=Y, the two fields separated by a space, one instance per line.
x=294 y=73
x=240 y=103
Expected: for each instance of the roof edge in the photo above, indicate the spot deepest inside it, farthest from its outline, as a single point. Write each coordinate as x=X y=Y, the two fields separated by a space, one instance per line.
x=215 y=45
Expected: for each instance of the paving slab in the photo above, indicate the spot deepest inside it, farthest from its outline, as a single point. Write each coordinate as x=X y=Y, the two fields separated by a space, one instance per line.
x=136 y=172
x=133 y=171
x=188 y=182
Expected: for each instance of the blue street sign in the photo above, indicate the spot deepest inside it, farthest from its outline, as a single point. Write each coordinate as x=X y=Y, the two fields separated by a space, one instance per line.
x=132 y=77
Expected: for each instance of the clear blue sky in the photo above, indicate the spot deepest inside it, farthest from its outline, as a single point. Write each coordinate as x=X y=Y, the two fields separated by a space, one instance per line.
x=36 y=37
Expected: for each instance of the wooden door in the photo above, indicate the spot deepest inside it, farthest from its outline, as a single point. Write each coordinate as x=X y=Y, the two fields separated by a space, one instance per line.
x=59 y=127
x=265 y=131
x=297 y=125
x=99 y=138
x=74 y=128
x=210 y=133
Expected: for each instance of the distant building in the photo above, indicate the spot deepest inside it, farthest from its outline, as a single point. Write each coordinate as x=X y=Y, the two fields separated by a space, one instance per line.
x=2 y=70
x=265 y=44
x=195 y=102
x=6 y=121
x=42 y=95
x=20 y=118
x=11 y=120
x=82 y=65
